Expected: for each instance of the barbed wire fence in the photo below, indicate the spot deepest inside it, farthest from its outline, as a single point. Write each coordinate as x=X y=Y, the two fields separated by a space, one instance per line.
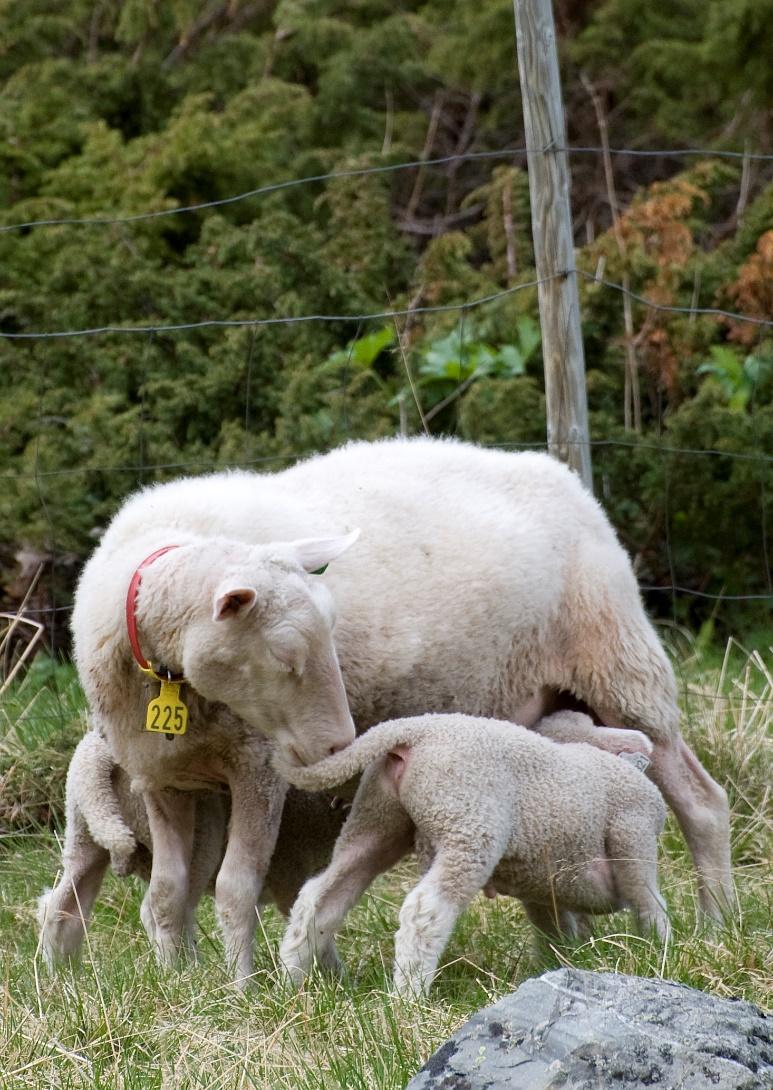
x=143 y=470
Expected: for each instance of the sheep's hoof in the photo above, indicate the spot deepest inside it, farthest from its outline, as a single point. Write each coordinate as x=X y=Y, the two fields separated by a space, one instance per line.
x=293 y=974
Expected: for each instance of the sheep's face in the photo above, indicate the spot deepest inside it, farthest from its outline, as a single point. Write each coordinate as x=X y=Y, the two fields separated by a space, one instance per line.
x=265 y=648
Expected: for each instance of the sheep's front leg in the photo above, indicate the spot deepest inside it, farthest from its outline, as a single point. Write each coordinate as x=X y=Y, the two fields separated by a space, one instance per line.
x=257 y=797
x=376 y=835
x=171 y=820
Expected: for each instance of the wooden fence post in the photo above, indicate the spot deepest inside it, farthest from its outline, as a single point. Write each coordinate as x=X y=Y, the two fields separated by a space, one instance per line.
x=551 y=221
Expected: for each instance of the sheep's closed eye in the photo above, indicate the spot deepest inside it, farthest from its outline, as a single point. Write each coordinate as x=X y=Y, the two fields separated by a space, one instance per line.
x=286 y=661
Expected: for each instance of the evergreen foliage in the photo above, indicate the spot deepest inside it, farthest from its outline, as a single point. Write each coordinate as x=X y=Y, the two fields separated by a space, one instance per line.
x=115 y=108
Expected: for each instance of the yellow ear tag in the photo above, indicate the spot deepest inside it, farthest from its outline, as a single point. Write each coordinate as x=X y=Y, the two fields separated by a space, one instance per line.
x=167 y=714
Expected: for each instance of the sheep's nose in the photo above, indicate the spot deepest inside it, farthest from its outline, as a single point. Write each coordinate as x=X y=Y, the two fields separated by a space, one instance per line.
x=337 y=748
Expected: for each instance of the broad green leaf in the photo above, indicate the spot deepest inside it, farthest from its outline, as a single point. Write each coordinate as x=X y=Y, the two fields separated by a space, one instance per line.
x=510 y=361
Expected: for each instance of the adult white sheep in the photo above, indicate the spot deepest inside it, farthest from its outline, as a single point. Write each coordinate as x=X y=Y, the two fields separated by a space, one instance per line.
x=485 y=582
x=564 y=828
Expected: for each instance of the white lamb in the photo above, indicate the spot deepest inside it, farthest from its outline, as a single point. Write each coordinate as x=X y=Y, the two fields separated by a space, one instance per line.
x=484 y=582
x=107 y=824
x=566 y=828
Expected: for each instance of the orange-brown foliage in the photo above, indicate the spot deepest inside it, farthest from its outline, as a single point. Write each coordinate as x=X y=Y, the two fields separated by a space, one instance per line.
x=752 y=291
x=657 y=225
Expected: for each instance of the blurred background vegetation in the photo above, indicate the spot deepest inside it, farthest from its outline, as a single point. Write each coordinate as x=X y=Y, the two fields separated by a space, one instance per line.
x=116 y=108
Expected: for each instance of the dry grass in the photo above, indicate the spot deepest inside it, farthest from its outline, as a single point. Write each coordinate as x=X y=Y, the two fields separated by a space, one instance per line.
x=120 y=1022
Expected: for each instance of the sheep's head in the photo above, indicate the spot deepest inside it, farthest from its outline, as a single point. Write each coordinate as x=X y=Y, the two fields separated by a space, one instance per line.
x=264 y=646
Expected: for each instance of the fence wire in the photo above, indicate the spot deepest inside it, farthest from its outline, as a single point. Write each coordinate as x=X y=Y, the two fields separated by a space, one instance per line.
x=385 y=168
x=144 y=467
x=385 y=315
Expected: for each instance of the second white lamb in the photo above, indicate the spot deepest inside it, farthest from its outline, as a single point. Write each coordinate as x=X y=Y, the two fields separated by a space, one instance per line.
x=487 y=805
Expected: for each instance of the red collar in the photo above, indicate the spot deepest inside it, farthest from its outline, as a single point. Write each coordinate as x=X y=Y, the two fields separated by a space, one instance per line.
x=131 y=618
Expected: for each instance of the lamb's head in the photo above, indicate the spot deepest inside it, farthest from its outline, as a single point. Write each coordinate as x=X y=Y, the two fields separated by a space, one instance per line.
x=264 y=646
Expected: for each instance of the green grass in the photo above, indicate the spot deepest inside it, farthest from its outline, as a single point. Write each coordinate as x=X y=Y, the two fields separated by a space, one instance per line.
x=121 y=1022
x=41 y=720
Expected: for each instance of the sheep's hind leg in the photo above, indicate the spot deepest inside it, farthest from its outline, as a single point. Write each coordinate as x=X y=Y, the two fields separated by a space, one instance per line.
x=431 y=909
x=621 y=671
x=209 y=840
x=702 y=810
x=376 y=835
x=146 y=919
x=64 y=912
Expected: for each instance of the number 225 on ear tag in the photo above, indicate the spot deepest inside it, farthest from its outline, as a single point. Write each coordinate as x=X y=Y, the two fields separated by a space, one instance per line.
x=167 y=714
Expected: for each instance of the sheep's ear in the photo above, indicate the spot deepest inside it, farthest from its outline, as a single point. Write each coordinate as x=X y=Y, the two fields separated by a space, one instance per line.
x=315 y=553
x=233 y=602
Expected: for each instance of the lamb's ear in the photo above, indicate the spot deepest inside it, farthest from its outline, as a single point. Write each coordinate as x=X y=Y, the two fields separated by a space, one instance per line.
x=313 y=553
x=233 y=602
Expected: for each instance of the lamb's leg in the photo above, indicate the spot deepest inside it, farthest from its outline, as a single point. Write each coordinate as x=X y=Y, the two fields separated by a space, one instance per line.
x=570 y=726
x=552 y=924
x=621 y=672
x=64 y=912
x=632 y=850
x=431 y=909
x=171 y=821
x=257 y=796
x=701 y=808
x=208 y=847
x=376 y=835
x=552 y=920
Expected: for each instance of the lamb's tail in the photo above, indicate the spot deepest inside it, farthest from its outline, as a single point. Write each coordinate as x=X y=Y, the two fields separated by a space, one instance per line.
x=350 y=761
x=91 y=769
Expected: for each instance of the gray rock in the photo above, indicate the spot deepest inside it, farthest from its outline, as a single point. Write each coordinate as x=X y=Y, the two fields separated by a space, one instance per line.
x=575 y=1030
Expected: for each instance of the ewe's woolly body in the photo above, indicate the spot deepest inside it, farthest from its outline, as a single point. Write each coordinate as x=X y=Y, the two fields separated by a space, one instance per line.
x=480 y=577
